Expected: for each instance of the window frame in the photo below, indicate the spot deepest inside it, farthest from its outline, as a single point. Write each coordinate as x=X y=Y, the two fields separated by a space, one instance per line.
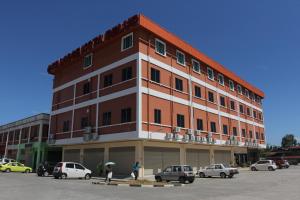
x=225 y=129
x=157 y=116
x=106 y=118
x=222 y=98
x=232 y=84
x=86 y=87
x=197 y=91
x=199 y=127
x=84 y=59
x=247 y=93
x=223 y=82
x=127 y=73
x=122 y=42
x=181 y=84
x=156 y=75
x=180 y=120
x=239 y=89
x=184 y=62
x=126 y=116
x=105 y=84
x=212 y=72
x=213 y=127
x=213 y=98
x=196 y=61
x=232 y=103
x=156 y=49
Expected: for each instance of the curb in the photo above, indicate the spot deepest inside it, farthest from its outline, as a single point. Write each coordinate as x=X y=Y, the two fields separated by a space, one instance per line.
x=139 y=185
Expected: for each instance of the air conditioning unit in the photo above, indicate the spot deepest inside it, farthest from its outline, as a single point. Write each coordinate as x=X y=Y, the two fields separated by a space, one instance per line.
x=192 y=137
x=95 y=136
x=87 y=130
x=197 y=132
x=198 y=139
x=189 y=132
x=209 y=135
x=87 y=137
x=204 y=139
x=169 y=136
x=186 y=137
x=176 y=136
x=177 y=130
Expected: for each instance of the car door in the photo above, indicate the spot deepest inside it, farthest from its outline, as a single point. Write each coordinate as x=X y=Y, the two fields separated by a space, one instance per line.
x=79 y=170
x=167 y=173
x=70 y=170
x=260 y=165
x=13 y=167
x=19 y=167
x=209 y=170
x=217 y=170
x=176 y=170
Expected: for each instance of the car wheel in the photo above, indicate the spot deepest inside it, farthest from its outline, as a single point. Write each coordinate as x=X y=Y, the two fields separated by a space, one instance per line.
x=27 y=171
x=202 y=175
x=63 y=176
x=158 y=179
x=270 y=169
x=223 y=175
x=87 y=177
x=253 y=169
x=46 y=174
x=182 y=180
x=7 y=170
x=191 y=181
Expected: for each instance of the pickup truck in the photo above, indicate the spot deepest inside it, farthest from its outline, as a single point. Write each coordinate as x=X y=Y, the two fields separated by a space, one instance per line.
x=220 y=170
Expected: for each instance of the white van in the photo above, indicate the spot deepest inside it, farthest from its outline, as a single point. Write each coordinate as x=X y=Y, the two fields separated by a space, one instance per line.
x=65 y=170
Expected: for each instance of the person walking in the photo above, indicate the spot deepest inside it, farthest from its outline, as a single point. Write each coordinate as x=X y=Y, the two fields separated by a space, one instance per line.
x=108 y=173
x=135 y=170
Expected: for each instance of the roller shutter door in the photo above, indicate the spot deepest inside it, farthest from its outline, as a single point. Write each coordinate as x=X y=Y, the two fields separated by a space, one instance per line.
x=124 y=157
x=197 y=158
x=222 y=157
x=72 y=155
x=91 y=158
x=156 y=159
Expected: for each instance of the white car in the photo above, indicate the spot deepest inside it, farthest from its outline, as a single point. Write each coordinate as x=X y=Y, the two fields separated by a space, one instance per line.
x=220 y=170
x=263 y=165
x=65 y=170
x=6 y=160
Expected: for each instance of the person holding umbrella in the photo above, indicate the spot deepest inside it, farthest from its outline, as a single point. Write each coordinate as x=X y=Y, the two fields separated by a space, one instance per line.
x=108 y=171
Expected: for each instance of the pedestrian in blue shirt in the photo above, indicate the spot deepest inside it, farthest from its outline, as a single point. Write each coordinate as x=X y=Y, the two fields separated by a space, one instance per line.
x=135 y=170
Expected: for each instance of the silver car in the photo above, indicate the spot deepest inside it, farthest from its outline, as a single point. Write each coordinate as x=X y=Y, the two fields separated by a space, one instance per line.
x=220 y=170
x=264 y=165
x=181 y=173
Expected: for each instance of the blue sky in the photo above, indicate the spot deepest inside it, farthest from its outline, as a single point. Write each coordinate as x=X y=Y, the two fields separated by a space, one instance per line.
x=258 y=40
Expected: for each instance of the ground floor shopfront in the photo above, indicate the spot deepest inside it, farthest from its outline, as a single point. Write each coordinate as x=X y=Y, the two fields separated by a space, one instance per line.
x=153 y=155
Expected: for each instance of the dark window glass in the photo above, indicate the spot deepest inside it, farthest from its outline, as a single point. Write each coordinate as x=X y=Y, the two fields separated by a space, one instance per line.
x=257 y=136
x=225 y=129
x=155 y=75
x=106 y=118
x=241 y=109
x=248 y=111
x=243 y=133
x=254 y=113
x=234 y=131
x=178 y=83
x=260 y=116
x=66 y=126
x=213 y=127
x=197 y=91
x=180 y=120
x=263 y=136
x=84 y=122
x=108 y=80
x=157 y=116
x=126 y=115
x=77 y=166
x=70 y=165
x=232 y=105
x=250 y=134
x=199 y=124
x=127 y=42
x=222 y=101
x=126 y=73
x=87 y=61
x=86 y=88
x=211 y=97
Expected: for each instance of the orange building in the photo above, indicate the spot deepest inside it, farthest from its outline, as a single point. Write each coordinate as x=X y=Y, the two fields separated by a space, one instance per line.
x=139 y=93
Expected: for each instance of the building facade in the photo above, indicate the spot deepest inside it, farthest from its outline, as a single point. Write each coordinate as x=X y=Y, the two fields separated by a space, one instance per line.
x=139 y=93
x=25 y=140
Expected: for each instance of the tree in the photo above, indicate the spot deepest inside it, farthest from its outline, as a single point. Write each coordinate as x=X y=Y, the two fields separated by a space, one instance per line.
x=288 y=140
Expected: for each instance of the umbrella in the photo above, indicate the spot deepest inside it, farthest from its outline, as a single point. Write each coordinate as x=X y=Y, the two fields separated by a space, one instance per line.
x=110 y=163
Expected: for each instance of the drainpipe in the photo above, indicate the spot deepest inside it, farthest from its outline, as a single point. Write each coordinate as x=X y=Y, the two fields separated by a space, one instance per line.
x=5 y=153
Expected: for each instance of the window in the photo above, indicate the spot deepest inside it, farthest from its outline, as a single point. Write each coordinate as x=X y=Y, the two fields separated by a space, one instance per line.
x=221 y=79
x=232 y=105
x=66 y=126
x=259 y=116
x=239 y=89
x=213 y=127
x=180 y=120
x=243 y=132
x=77 y=166
x=84 y=122
x=257 y=136
x=86 y=88
x=178 y=84
x=247 y=93
x=196 y=66
x=127 y=42
x=254 y=114
x=250 y=134
x=222 y=101
x=241 y=109
x=108 y=80
x=248 y=111
x=200 y=124
x=126 y=115
x=262 y=136
x=70 y=165
x=88 y=61
x=155 y=75
x=225 y=129
x=211 y=97
x=160 y=47
x=106 y=118
x=157 y=116
x=234 y=130
x=126 y=73
x=231 y=85
x=258 y=99
x=197 y=91
x=210 y=73
x=180 y=57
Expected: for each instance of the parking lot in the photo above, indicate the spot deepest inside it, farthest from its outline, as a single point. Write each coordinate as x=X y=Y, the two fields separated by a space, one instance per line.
x=279 y=184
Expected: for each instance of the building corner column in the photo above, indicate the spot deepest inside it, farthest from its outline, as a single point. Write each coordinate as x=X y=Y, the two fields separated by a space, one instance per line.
x=211 y=155
x=139 y=157
x=182 y=154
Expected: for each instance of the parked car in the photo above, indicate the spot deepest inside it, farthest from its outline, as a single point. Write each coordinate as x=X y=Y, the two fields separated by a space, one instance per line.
x=263 y=165
x=6 y=160
x=65 y=170
x=181 y=173
x=220 y=170
x=15 y=167
x=282 y=163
